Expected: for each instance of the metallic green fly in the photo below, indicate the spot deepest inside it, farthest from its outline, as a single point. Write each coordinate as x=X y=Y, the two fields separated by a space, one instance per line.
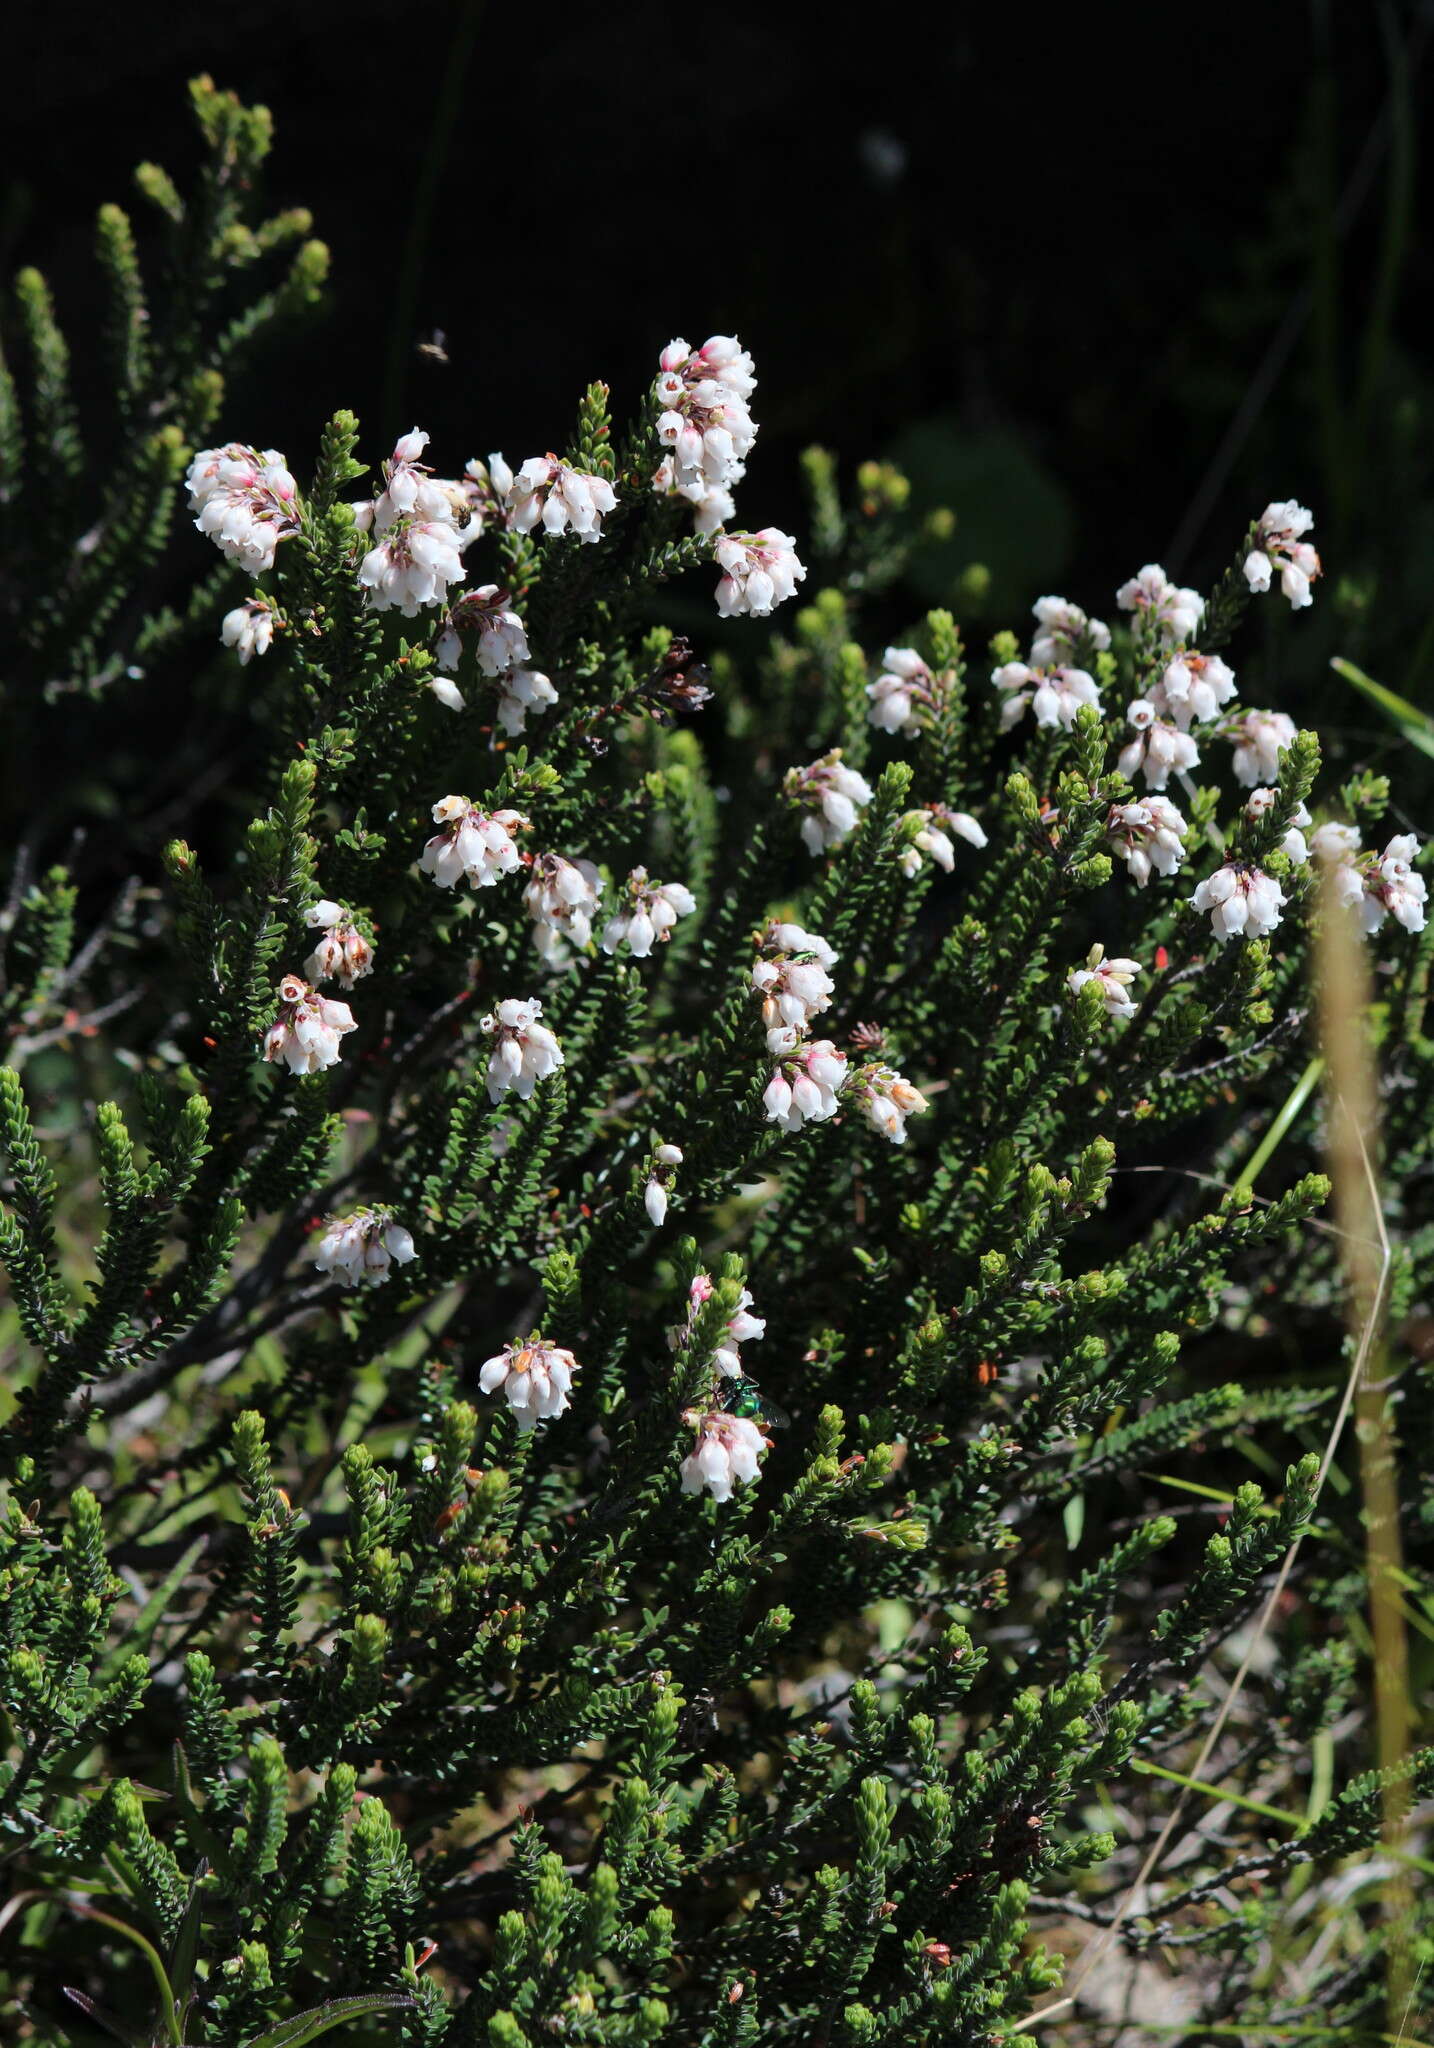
x=744 y=1397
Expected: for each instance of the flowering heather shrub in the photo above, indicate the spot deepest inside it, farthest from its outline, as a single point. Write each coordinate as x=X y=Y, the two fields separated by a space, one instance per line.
x=675 y=1463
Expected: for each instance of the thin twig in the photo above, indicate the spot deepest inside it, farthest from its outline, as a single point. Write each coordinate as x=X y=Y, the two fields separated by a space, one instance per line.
x=22 y=1048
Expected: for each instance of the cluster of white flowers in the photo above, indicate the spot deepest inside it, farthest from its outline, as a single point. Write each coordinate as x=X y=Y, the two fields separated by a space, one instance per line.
x=1062 y=627
x=830 y=794
x=411 y=565
x=1112 y=977
x=408 y=489
x=661 y=1174
x=1332 y=842
x=1049 y=684
x=420 y=527
x=485 y=489
x=1055 y=695
x=1293 y=845
x=1193 y=688
x=648 y=915
x=710 y=512
x=362 y=1247
x=1375 y=885
x=306 y=1031
x=929 y=831
x=1148 y=836
x=886 y=1100
x=475 y=845
x=523 y=690
x=536 y=1379
x=502 y=652
x=561 y=898
x=502 y=642
x=705 y=419
x=1155 y=600
x=1259 y=737
x=1392 y=888
x=248 y=629
x=742 y=1327
x=1243 y=901
x=247 y=503
x=524 y=1051
x=550 y=493
x=1281 y=545
x=759 y=570
x=342 y=953
x=728 y=1448
x=1158 y=748
x=792 y=979
x=806 y=1085
x=902 y=694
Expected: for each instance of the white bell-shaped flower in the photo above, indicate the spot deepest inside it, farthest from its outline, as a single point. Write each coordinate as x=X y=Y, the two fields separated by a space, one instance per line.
x=536 y=1379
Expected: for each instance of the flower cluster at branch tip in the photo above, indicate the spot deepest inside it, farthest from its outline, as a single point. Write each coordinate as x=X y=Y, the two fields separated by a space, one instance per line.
x=1193 y=688
x=1112 y=977
x=501 y=643
x=1375 y=885
x=705 y=420
x=306 y=1031
x=248 y=629
x=524 y=1051
x=536 y=1379
x=1392 y=888
x=830 y=794
x=1155 y=600
x=710 y=511
x=247 y=503
x=363 y=1246
x=1063 y=627
x=417 y=536
x=929 y=831
x=411 y=566
x=661 y=1174
x=792 y=979
x=1259 y=737
x=342 y=953
x=523 y=690
x=552 y=494
x=902 y=694
x=1333 y=841
x=1158 y=750
x=1280 y=544
x=741 y=1327
x=886 y=1100
x=806 y=1085
x=728 y=1448
x=648 y=915
x=759 y=570
x=1242 y=900
x=561 y=897
x=1054 y=695
x=474 y=845
x=1149 y=836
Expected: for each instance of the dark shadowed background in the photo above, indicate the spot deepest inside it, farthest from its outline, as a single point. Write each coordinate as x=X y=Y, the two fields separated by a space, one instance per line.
x=1045 y=265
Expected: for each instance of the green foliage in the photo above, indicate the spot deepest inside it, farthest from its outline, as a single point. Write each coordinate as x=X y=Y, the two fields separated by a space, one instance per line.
x=337 y=1694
